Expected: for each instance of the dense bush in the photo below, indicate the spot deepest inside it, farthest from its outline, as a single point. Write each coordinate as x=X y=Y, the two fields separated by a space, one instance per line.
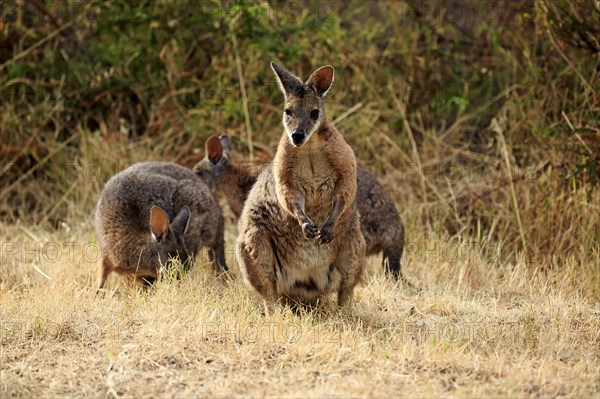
x=480 y=117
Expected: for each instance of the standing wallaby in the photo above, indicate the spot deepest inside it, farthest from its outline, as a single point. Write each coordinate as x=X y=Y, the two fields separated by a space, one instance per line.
x=299 y=232
x=152 y=212
x=380 y=222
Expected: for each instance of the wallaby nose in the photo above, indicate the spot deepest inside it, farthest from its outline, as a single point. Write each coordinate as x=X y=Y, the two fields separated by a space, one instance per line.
x=298 y=137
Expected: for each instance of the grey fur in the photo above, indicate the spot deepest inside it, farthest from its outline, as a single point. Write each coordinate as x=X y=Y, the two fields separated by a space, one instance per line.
x=122 y=220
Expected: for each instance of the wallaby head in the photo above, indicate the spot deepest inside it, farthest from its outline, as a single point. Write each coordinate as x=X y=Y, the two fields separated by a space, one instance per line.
x=168 y=236
x=217 y=155
x=226 y=177
x=304 y=110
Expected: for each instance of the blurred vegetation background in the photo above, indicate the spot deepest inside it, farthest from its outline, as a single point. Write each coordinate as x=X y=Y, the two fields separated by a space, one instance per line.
x=481 y=118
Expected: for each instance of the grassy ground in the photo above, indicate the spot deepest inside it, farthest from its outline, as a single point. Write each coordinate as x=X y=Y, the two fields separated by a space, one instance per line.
x=481 y=120
x=471 y=330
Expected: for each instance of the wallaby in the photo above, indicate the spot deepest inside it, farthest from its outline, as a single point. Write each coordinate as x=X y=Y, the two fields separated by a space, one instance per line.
x=151 y=212
x=299 y=231
x=380 y=222
x=226 y=177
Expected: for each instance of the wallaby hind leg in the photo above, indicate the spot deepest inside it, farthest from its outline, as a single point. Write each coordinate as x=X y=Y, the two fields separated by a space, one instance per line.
x=346 y=290
x=392 y=254
x=257 y=267
x=216 y=253
x=217 y=256
x=391 y=264
x=350 y=262
x=104 y=269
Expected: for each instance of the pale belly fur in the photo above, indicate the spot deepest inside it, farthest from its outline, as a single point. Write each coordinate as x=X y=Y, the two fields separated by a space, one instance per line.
x=307 y=268
x=312 y=275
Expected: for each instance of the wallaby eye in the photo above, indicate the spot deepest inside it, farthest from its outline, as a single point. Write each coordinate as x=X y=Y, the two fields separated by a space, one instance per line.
x=287 y=111
x=314 y=114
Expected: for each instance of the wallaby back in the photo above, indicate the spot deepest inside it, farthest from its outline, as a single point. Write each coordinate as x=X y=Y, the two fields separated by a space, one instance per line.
x=154 y=211
x=299 y=232
x=381 y=224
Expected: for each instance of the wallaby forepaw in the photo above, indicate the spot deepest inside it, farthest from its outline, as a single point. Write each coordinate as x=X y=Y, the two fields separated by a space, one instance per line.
x=325 y=235
x=310 y=230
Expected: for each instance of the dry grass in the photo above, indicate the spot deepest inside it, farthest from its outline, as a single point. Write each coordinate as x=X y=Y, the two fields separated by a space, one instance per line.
x=484 y=130
x=471 y=331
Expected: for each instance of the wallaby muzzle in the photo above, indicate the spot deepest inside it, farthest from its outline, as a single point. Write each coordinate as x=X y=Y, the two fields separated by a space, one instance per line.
x=298 y=137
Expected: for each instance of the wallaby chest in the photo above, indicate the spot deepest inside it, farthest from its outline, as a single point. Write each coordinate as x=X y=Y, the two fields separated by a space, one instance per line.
x=316 y=179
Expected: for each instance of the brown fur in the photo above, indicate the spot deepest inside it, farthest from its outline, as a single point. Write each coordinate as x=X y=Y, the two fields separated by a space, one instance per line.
x=226 y=177
x=299 y=232
x=153 y=211
x=381 y=225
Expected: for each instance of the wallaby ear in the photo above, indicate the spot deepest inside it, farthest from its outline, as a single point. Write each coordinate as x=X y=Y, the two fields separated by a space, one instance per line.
x=159 y=223
x=321 y=80
x=181 y=221
x=288 y=82
x=214 y=149
x=225 y=142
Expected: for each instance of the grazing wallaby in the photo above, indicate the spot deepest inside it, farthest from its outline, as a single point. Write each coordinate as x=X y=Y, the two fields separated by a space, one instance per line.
x=380 y=222
x=151 y=212
x=299 y=232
